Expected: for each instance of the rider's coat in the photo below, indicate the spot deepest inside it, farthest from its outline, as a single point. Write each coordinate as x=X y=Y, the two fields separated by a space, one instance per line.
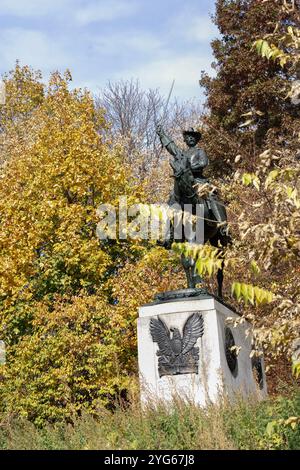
x=198 y=160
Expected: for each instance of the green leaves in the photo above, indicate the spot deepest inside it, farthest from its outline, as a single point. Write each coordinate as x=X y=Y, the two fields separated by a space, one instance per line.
x=254 y=267
x=296 y=369
x=262 y=47
x=208 y=259
x=271 y=177
x=208 y=266
x=251 y=294
x=251 y=178
x=271 y=52
x=273 y=426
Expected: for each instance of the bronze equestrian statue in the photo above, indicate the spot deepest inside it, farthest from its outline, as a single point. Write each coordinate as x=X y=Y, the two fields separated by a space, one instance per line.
x=188 y=166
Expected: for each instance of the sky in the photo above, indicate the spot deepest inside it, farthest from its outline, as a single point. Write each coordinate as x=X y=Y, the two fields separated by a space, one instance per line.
x=154 y=41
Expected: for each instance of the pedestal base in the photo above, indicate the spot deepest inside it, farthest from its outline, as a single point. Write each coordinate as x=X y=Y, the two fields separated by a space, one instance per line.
x=188 y=348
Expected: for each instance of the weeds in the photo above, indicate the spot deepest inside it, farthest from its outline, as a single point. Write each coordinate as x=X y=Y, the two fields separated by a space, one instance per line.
x=183 y=426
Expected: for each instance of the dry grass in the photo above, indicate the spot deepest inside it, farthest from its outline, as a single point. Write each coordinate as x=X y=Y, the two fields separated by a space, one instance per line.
x=183 y=426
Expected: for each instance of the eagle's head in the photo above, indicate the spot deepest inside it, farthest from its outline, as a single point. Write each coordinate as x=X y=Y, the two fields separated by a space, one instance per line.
x=176 y=333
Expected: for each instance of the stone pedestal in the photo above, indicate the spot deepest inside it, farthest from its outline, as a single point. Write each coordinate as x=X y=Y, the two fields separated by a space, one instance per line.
x=185 y=349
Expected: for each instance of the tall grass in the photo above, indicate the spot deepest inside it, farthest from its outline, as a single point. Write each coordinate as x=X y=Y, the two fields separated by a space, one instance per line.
x=183 y=426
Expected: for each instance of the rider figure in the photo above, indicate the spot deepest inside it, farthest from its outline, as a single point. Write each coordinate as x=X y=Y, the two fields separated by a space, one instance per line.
x=196 y=159
x=188 y=166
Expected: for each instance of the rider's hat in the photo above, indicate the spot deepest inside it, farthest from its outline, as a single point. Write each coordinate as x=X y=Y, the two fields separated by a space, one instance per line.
x=191 y=131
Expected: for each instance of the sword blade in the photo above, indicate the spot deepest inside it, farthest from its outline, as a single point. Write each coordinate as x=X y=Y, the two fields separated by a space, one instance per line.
x=167 y=102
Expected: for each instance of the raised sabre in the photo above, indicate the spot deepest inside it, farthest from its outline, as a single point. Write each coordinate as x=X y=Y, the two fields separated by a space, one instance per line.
x=167 y=102
x=165 y=112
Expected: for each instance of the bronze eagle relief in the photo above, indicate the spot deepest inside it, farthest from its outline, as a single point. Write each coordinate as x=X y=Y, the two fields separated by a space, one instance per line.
x=177 y=354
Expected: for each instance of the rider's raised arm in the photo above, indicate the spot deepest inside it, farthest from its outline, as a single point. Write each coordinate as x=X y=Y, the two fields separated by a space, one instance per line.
x=167 y=142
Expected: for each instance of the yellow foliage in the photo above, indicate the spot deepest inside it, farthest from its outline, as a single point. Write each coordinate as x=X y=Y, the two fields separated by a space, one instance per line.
x=67 y=363
x=56 y=317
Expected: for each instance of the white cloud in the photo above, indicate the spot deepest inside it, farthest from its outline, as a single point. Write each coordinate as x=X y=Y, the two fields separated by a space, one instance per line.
x=31 y=8
x=138 y=41
x=201 y=29
x=105 y=11
x=31 y=47
x=123 y=49
x=193 y=27
x=185 y=69
x=83 y=12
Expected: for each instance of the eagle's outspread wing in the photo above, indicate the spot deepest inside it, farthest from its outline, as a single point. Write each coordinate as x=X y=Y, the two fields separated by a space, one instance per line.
x=193 y=329
x=161 y=335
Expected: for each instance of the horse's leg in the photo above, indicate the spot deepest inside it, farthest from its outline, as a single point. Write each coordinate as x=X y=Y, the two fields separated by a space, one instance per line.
x=196 y=278
x=189 y=196
x=220 y=278
x=220 y=274
x=187 y=269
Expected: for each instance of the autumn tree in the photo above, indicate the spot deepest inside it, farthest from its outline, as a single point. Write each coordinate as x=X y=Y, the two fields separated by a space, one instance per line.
x=246 y=108
x=55 y=176
x=24 y=93
x=68 y=301
x=253 y=117
x=48 y=196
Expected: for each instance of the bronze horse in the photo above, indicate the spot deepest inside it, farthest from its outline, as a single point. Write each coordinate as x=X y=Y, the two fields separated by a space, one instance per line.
x=188 y=166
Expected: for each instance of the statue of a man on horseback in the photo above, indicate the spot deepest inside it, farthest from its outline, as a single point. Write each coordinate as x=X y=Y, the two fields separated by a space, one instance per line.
x=188 y=165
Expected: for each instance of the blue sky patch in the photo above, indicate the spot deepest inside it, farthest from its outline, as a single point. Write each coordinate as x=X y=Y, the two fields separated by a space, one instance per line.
x=100 y=40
